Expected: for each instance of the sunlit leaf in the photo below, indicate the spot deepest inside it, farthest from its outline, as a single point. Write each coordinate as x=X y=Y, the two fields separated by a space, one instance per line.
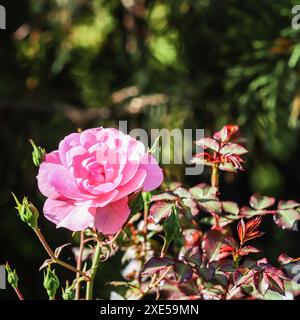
x=259 y=202
x=208 y=143
x=161 y=210
x=286 y=219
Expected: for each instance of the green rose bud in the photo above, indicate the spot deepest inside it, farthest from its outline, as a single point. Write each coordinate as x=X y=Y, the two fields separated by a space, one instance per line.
x=38 y=154
x=28 y=212
x=69 y=293
x=12 y=277
x=51 y=283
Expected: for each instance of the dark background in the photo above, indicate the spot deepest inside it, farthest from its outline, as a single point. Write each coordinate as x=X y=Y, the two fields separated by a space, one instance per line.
x=158 y=64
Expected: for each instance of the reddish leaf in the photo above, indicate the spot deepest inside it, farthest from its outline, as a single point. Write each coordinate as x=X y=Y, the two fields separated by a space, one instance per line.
x=166 y=196
x=226 y=132
x=276 y=284
x=192 y=237
x=241 y=229
x=156 y=264
x=193 y=255
x=248 y=231
x=261 y=283
x=284 y=259
x=208 y=143
x=259 y=202
x=191 y=206
x=248 y=249
x=253 y=235
x=202 y=158
x=183 y=271
x=241 y=276
x=226 y=248
x=224 y=265
x=161 y=210
x=231 y=242
x=211 y=244
x=253 y=224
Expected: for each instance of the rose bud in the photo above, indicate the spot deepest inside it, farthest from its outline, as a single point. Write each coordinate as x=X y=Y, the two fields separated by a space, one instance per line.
x=51 y=283
x=38 y=154
x=28 y=212
x=12 y=277
x=68 y=293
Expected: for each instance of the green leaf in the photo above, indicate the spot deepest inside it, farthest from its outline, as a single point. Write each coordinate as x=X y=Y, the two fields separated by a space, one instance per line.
x=208 y=143
x=220 y=279
x=172 y=230
x=286 y=219
x=206 y=273
x=207 y=198
x=249 y=212
x=233 y=148
x=191 y=206
x=259 y=202
x=203 y=191
x=230 y=207
x=283 y=205
x=182 y=193
x=156 y=264
x=183 y=271
x=136 y=204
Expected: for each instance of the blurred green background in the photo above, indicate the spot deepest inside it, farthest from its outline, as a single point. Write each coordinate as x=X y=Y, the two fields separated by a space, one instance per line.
x=68 y=64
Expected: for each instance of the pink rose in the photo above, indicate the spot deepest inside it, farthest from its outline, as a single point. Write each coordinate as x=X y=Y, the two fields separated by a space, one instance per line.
x=88 y=179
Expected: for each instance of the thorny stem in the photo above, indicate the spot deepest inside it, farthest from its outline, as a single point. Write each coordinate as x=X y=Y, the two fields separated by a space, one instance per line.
x=19 y=294
x=95 y=265
x=79 y=259
x=53 y=257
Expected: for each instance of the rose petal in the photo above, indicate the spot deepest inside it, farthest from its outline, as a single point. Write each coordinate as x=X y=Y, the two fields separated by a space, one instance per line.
x=111 y=218
x=65 y=214
x=154 y=176
x=133 y=185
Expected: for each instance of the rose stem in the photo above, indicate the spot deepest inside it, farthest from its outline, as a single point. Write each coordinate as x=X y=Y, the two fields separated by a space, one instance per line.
x=215 y=176
x=19 y=294
x=215 y=184
x=79 y=259
x=146 y=213
x=154 y=283
x=95 y=265
x=52 y=255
